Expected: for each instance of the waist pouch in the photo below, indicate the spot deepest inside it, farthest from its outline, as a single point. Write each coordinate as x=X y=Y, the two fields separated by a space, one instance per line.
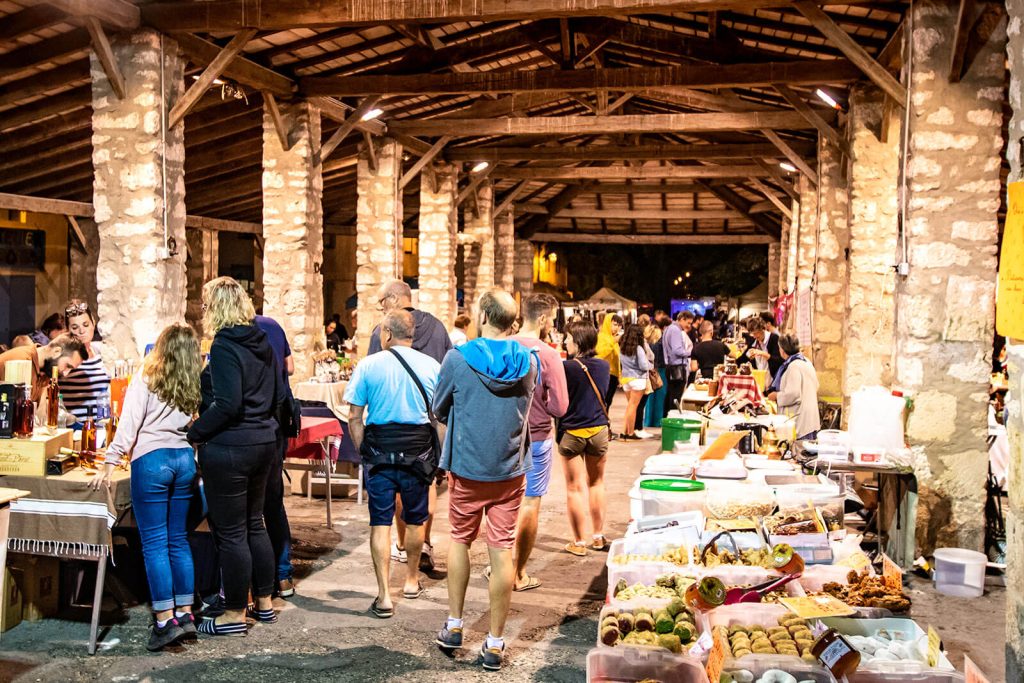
x=415 y=447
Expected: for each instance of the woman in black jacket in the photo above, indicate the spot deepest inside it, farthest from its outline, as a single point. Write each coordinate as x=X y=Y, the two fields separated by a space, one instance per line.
x=237 y=434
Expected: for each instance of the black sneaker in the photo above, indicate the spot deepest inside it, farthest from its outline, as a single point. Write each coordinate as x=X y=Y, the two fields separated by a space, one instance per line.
x=188 y=624
x=159 y=638
x=491 y=656
x=449 y=638
x=213 y=609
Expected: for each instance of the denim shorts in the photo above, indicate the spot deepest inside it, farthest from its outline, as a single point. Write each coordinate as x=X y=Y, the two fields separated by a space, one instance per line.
x=383 y=483
x=539 y=475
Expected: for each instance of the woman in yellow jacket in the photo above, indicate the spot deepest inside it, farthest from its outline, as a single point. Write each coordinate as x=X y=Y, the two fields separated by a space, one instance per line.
x=608 y=350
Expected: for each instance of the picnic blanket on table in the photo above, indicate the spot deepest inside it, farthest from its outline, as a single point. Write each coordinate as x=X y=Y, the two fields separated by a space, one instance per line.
x=63 y=515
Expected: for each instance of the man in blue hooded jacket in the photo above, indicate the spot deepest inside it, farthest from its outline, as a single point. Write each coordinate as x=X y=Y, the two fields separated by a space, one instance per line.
x=483 y=395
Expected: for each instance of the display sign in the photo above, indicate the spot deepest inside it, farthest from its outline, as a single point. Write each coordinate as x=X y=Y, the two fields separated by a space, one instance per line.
x=858 y=561
x=22 y=249
x=892 y=574
x=716 y=659
x=972 y=674
x=817 y=607
x=1010 y=297
x=934 y=647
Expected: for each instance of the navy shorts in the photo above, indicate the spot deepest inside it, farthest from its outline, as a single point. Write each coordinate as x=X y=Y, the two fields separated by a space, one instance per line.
x=383 y=483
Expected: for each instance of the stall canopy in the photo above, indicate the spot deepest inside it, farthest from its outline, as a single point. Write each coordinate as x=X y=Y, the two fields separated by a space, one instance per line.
x=606 y=299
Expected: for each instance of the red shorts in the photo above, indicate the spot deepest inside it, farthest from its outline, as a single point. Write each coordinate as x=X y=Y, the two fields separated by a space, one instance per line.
x=469 y=500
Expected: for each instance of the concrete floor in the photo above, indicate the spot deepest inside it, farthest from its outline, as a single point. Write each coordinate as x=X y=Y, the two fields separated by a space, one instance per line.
x=325 y=632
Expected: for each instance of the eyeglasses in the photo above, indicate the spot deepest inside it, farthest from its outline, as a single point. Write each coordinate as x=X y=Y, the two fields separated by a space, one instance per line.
x=76 y=309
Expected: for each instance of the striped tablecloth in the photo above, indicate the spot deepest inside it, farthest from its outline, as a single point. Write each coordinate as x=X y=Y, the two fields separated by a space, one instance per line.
x=63 y=515
x=745 y=384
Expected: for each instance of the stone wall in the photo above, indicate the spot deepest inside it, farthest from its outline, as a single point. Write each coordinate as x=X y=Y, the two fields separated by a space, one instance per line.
x=293 y=231
x=378 y=231
x=792 y=234
x=774 y=264
x=782 y=271
x=504 y=251
x=874 y=204
x=478 y=256
x=945 y=307
x=140 y=275
x=438 y=226
x=523 y=267
x=829 y=320
x=803 y=249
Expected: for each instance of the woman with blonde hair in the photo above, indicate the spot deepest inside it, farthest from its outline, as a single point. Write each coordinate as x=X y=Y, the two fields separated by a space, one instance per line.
x=158 y=408
x=236 y=432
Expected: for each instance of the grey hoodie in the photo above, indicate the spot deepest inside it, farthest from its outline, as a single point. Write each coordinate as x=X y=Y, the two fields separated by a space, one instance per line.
x=483 y=395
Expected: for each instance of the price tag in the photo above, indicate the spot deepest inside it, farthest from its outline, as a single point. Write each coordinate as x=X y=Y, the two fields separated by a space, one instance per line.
x=858 y=561
x=716 y=659
x=972 y=674
x=934 y=647
x=892 y=574
x=817 y=607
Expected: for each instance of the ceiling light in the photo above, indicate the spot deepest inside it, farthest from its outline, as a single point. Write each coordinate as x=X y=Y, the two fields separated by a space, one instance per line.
x=788 y=167
x=480 y=166
x=216 y=81
x=372 y=114
x=552 y=257
x=827 y=99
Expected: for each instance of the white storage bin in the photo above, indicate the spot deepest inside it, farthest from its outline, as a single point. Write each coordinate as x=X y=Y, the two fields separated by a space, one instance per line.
x=693 y=521
x=759 y=664
x=960 y=572
x=633 y=664
x=908 y=631
x=655 y=503
x=653 y=543
x=670 y=465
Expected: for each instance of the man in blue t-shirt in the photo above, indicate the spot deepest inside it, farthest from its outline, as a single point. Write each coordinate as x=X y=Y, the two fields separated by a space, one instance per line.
x=274 y=515
x=391 y=426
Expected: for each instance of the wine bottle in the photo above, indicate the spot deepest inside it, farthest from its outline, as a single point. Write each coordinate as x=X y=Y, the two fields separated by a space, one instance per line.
x=112 y=425
x=89 y=437
x=25 y=415
x=52 y=403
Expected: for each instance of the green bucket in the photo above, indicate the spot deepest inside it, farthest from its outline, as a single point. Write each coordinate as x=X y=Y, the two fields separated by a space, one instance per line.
x=677 y=429
x=672 y=485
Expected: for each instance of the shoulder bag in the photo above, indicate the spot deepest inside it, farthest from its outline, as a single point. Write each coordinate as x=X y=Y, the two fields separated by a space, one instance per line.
x=593 y=385
x=427 y=469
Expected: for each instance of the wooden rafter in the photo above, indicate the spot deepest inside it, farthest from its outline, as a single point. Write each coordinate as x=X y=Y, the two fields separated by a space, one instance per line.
x=105 y=55
x=815 y=119
x=27 y=57
x=119 y=14
x=423 y=161
x=510 y=197
x=629 y=172
x=346 y=127
x=780 y=179
x=28 y=21
x=658 y=239
x=473 y=183
x=641 y=152
x=791 y=155
x=239 y=69
x=961 y=35
x=771 y=197
x=212 y=71
x=733 y=199
x=808 y=72
x=852 y=49
x=651 y=214
x=279 y=123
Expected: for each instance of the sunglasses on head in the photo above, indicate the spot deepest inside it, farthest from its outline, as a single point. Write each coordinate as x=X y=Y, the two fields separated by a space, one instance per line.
x=76 y=309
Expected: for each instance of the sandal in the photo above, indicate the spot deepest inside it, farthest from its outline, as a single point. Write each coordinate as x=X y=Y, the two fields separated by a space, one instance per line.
x=600 y=543
x=264 y=616
x=210 y=627
x=415 y=594
x=530 y=584
x=381 y=612
x=577 y=549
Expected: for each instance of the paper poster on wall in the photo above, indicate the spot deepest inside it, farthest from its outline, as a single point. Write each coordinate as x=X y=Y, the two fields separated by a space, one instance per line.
x=1010 y=297
x=803 y=316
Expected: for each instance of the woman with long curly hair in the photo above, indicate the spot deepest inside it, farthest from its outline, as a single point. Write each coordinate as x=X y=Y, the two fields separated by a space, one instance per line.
x=242 y=387
x=157 y=411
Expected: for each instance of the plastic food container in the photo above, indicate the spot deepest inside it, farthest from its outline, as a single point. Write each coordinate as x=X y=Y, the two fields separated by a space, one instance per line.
x=759 y=664
x=670 y=465
x=909 y=631
x=633 y=664
x=827 y=499
x=733 y=502
x=652 y=607
x=668 y=496
x=747 y=614
x=653 y=543
x=927 y=677
x=960 y=572
x=693 y=521
x=636 y=510
x=678 y=429
x=646 y=573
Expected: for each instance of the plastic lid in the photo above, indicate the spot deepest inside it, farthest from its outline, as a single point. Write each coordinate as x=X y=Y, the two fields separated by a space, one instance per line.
x=674 y=485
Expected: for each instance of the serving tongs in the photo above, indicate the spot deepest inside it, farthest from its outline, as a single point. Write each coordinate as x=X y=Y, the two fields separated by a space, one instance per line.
x=756 y=593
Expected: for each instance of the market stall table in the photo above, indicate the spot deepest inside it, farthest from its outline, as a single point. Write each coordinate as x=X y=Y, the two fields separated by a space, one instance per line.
x=7 y=496
x=694 y=399
x=745 y=384
x=331 y=394
x=62 y=517
x=313 y=444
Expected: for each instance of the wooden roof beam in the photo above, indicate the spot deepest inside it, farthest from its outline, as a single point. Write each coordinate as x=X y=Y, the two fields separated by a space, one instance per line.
x=629 y=172
x=118 y=14
x=655 y=239
x=815 y=119
x=966 y=15
x=24 y=58
x=652 y=214
x=619 y=152
x=605 y=125
x=810 y=72
x=733 y=199
x=347 y=126
x=105 y=55
x=852 y=49
x=244 y=71
x=791 y=155
x=772 y=197
x=28 y=21
x=423 y=161
x=212 y=71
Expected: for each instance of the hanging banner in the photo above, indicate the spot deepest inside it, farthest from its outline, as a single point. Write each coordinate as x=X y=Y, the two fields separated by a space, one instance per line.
x=1010 y=297
x=804 y=301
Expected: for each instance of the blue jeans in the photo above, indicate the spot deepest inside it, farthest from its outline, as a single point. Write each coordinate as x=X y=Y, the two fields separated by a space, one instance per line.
x=161 y=492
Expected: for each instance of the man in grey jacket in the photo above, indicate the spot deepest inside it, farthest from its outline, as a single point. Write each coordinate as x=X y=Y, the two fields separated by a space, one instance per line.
x=483 y=395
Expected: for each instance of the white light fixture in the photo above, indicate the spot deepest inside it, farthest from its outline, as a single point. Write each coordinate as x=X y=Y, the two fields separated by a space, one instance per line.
x=827 y=99
x=372 y=114
x=552 y=257
x=480 y=166
x=788 y=167
x=216 y=81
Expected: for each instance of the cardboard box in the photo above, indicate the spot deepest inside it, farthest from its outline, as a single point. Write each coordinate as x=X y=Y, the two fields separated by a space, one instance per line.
x=11 y=614
x=27 y=457
x=39 y=583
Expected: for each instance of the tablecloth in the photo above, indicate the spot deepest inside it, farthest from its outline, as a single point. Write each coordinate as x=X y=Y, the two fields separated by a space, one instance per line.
x=746 y=384
x=63 y=515
x=314 y=430
x=331 y=394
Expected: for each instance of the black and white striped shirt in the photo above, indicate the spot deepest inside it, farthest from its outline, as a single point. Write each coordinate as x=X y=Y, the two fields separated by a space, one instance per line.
x=84 y=386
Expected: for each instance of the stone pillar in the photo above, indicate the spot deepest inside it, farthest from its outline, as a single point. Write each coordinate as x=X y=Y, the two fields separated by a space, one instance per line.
x=803 y=248
x=789 y=256
x=945 y=307
x=378 y=231
x=82 y=268
x=293 y=243
x=479 y=254
x=201 y=267
x=833 y=239
x=874 y=205
x=138 y=194
x=523 y=282
x=504 y=251
x=774 y=263
x=783 y=266
x=437 y=245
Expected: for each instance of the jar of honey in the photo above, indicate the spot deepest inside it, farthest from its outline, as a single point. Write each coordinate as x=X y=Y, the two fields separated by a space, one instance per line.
x=787 y=560
x=706 y=594
x=836 y=653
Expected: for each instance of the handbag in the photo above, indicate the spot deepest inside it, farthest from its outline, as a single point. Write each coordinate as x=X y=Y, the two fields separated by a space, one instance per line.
x=654 y=377
x=675 y=373
x=427 y=469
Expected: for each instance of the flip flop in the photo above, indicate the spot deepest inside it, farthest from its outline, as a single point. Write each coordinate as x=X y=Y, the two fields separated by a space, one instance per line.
x=530 y=584
x=487 y=573
x=412 y=596
x=380 y=612
x=577 y=550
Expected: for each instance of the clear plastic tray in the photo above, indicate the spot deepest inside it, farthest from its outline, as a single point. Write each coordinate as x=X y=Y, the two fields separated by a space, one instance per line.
x=656 y=503
x=670 y=465
x=653 y=543
x=750 y=614
x=645 y=573
x=634 y=664
x=759 y=664
x=927 y=677
x=817 y=575
x=739 y=500
x=892 y=671
x=653 y=606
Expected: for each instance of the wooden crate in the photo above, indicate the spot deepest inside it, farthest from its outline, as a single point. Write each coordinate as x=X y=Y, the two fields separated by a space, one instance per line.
x=27 y=457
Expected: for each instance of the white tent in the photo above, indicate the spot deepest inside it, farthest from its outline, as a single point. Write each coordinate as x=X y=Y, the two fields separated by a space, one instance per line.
x=607 y=299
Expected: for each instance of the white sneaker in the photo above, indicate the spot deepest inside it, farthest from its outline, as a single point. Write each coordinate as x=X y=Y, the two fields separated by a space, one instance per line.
x=398 y=555
x=643 y=434
x=427 y=558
